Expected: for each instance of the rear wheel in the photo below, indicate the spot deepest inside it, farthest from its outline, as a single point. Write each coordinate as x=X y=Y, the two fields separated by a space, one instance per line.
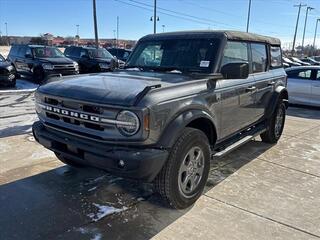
x=275 y=124
x=183 y=177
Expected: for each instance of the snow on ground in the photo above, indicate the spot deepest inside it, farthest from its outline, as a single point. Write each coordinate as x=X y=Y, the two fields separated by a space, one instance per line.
x=104 y=211
x=22 y=85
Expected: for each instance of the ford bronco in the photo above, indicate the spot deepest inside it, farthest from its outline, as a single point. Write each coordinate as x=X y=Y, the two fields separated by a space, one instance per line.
x=182 y=99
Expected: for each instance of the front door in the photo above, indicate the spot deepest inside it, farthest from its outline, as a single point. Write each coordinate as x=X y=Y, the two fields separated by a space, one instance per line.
x=237 y=95
x=299 y=85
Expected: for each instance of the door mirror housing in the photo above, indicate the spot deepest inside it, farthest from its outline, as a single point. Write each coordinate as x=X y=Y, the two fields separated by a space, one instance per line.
x=28 y=55
x=235 y=70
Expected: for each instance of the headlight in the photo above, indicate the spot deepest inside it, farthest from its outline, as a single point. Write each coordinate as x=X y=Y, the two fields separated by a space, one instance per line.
x=103 y=65
x=128 y=123
x=47 y=66
x=10 y=68
x=76 y=65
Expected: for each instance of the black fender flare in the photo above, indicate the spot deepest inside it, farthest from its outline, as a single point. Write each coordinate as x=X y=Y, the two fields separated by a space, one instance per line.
x=174 y=129
x=280 y=93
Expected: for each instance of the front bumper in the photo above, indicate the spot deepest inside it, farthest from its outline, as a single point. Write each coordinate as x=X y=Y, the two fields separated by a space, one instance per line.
x=139 y=163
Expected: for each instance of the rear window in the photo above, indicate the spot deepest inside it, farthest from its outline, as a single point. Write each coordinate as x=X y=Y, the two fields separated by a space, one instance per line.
x=259 y=57
x=276 y=60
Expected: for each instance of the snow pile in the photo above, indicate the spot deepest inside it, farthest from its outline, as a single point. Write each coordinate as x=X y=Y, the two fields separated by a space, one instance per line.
x=104 y=211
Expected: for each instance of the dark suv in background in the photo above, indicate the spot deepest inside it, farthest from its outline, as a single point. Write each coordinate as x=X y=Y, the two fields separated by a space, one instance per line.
x=121 y=54
x=91 y=59
x=40 y=61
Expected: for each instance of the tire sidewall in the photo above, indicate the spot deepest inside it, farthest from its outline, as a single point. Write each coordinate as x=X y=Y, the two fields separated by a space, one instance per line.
x=281 y=107
x=201 y=141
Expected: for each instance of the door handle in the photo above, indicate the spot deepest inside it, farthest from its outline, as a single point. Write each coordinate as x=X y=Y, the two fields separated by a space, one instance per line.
x=250 y=89
x=271 y=83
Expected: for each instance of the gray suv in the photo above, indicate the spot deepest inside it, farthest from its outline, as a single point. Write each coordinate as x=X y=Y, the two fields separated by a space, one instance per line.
x=182 y=98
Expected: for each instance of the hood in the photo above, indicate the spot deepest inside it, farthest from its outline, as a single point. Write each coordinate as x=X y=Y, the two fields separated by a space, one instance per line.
x=60 y=60
x=118 y=88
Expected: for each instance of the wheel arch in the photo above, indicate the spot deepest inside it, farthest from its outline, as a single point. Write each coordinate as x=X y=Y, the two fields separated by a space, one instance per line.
x=194 y=118
x=280 y=93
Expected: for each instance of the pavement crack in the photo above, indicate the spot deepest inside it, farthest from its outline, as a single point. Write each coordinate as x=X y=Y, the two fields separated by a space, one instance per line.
x=283 y=166
x=265 y=217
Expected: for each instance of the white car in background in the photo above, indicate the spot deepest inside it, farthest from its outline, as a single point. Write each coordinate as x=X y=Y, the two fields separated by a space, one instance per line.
x=304 y=85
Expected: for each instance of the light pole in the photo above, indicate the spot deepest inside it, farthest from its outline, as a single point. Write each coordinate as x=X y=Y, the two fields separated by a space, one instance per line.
x=117 y=31
x=77 y=29
x=7 y=38
x=305 y=24
x=155 y=17
x=248 y=19
x=95 y=23
x=315 y=34
x=297 y=23
x=163 y=26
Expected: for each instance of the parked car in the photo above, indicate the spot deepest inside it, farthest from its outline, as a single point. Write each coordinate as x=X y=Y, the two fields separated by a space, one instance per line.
x=39 y=62
x=121 y=54
x=297 y=60
x=317 y=58
x=91 y=59
x=7 y=73
x=183 y=98
x=310 y=60
x=304 y=85
x=289 y=62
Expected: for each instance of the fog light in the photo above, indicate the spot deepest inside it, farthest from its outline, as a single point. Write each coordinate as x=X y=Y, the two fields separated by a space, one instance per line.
x=121 y=163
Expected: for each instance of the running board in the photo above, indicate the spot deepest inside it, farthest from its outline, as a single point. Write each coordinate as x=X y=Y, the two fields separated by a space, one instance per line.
x=237 y=144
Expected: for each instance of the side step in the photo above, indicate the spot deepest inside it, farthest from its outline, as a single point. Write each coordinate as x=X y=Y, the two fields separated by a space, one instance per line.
x=237 y=144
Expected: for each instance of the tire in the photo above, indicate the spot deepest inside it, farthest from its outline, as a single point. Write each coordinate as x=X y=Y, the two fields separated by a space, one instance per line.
x=38 y=75
x=13 y=83
x=68 y=161
x=173 y=182
x=275 y=124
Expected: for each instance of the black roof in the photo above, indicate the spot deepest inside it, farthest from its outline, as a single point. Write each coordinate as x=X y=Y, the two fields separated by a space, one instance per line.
x=230 y=35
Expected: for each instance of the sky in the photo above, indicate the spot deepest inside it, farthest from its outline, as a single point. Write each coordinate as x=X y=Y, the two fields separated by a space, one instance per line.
x=275 y=18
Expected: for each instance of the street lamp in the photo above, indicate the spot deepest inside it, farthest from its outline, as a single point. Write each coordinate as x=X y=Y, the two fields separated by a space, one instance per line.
x=163 y=26
x=77 y=29
x=315 y=34
x=305 y=24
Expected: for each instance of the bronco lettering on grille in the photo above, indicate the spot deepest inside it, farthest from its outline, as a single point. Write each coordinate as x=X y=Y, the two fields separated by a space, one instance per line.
x=71 y=113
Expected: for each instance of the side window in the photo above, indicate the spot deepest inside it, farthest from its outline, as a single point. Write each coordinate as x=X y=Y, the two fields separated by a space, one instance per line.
x=300 y=74
x=83 y=52
x=75 y=52
x=235 y=52
x=318 y=75
x=259 y=57
x=28 y=51
x=276 y=60
x=67 y=52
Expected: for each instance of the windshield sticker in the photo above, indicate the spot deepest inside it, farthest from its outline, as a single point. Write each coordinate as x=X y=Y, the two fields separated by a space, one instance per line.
x=204 y=63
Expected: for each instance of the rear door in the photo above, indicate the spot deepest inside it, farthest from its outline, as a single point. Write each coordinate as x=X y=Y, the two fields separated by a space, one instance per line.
x=263 y=78
x=315 y=89
x=299 y=85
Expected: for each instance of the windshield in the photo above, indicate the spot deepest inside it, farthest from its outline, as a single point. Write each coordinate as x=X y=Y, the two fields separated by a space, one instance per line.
x=47 y=52
x=2 y=58
x=99 y=53
x=185 y=55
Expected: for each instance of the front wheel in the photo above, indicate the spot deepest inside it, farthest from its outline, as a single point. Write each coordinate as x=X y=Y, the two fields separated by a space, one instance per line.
x=275 y=124
x=182 y=179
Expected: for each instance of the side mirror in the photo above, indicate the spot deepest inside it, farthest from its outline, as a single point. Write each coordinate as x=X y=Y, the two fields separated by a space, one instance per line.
x=28 y=55
x=235 y=70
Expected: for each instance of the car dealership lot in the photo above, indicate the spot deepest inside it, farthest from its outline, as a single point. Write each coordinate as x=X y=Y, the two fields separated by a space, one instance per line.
x=259 y=191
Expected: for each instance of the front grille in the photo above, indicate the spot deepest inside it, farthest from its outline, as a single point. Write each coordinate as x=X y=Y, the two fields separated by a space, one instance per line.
x=64 y=67
x=78 y=108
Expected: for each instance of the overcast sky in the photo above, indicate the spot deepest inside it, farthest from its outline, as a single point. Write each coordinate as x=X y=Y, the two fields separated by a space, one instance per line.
x=269 y=17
